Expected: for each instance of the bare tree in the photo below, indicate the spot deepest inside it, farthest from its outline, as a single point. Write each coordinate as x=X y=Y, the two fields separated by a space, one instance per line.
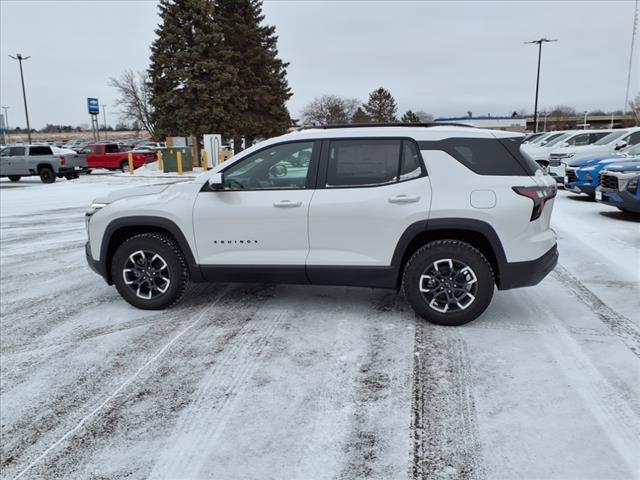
x=133 y=99
x=329 y=109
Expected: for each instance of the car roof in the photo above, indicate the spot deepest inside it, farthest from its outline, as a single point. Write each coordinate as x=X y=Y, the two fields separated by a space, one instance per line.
x=435 y=132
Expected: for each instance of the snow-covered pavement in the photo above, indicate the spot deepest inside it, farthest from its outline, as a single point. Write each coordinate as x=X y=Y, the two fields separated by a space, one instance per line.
x=284 y=382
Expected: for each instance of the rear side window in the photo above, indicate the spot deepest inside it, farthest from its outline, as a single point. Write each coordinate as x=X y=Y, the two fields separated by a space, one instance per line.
x=363 y=162
x=594 y=137
x=40 y=150
x=112 y=148
x=485 y=156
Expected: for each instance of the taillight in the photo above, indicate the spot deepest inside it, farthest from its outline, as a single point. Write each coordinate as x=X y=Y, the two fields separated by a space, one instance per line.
x=539 y=195
x=61 y=160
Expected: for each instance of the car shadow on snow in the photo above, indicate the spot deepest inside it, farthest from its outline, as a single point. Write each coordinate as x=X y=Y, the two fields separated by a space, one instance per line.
x=625 y=216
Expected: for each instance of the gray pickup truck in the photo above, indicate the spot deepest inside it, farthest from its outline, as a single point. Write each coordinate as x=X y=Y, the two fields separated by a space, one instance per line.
x=17 y=161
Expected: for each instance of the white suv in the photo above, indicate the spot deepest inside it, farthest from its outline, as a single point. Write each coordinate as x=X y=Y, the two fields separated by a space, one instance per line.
x=444 y=212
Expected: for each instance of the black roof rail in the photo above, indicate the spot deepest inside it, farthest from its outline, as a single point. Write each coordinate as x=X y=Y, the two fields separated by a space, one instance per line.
x=392 y=124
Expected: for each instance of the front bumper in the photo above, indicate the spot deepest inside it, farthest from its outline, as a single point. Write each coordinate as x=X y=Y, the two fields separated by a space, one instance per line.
x=580 y=187
x=527 y=274
x=622 y=199
x=95 y=265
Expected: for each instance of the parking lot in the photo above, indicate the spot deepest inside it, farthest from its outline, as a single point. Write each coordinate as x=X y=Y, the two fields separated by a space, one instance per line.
x=258 y=381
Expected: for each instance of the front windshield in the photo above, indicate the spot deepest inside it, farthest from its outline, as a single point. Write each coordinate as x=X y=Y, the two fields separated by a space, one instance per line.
x=557 y=139
x=610 y=138
x=538 y=139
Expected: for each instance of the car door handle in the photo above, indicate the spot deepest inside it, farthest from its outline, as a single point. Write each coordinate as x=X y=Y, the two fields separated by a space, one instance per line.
x=404 y=199
x=287 y=204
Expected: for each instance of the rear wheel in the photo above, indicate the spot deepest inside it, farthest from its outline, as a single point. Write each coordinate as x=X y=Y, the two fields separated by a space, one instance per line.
x=47 y=175
x=14 y=178
x=124 y=166
x=150 y=271
x=448 y=282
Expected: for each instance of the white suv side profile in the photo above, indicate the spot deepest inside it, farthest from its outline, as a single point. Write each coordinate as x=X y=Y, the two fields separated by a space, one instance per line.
x=445 y=212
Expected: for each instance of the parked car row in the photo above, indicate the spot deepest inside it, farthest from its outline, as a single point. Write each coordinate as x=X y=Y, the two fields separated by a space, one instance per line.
x=608 y=178
x=49 y=163
x=553 y=150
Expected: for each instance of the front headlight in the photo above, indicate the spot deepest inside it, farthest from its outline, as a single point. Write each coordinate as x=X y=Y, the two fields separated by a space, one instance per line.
x=94 y=207
x=632 y=185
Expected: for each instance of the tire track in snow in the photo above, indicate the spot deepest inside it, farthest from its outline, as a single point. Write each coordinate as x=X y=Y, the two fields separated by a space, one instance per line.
x=624 y=328
x=202 y=423
x=129 y=380
x=616 y=417
x=366 y=442
x=444 y=426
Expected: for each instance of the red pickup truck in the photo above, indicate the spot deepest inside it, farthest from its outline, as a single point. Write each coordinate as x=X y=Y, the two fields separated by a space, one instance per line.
x=110 y=156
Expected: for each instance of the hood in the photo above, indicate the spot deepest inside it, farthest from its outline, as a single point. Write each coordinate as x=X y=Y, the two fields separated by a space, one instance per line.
x=132 y=192
x=627 y=166
x=586 y=161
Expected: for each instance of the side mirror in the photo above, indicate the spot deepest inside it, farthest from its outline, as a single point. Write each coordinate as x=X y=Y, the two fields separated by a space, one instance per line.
x=216 y=181
x=544 y=142
x=621 y=144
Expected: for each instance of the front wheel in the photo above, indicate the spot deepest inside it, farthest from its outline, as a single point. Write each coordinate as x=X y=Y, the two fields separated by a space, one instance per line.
x=448 y=282
x=150 y=271
x=14 y=178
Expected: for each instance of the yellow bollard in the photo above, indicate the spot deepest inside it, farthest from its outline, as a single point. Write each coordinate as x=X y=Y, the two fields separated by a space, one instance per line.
x=130 y=163
x=205 y=162
x=160 y=164
x=179 y=158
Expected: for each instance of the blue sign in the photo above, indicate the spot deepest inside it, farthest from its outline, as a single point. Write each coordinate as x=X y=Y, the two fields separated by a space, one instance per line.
x=93 y=106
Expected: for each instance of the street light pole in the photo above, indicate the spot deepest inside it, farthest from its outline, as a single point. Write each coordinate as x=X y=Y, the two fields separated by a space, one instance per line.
x=20 y=58
x=6 y=124
x=104 y=117
x=535 y=111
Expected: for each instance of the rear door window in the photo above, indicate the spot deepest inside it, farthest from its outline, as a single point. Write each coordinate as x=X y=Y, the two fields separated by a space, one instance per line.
x=112 y=148
x=358 y=163
x=40 y=150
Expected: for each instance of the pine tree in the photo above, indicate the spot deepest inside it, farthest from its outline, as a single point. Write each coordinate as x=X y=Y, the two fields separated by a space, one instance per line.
x=381 y=107
x=410 y=117
x=193 y=84
x=360 y=117
x=261 y=74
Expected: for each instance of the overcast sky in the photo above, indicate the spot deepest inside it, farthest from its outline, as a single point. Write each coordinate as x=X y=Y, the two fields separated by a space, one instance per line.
x=442 y=57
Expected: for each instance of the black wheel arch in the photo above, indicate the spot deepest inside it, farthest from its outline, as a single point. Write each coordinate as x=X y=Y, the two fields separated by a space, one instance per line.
x=121 y=229
x=476 y=233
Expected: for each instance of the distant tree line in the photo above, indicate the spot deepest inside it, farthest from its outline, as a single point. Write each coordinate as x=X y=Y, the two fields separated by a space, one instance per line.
x=380 y=108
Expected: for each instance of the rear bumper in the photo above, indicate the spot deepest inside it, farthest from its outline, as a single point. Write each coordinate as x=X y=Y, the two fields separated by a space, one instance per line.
x=527 y=274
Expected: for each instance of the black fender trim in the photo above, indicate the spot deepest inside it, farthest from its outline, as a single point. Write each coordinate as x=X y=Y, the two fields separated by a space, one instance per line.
x=140 y=222
x=433 y=226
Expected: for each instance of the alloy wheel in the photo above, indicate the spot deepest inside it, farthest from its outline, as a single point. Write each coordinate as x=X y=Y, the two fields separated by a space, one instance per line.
x=147 y=274
x=448 y=285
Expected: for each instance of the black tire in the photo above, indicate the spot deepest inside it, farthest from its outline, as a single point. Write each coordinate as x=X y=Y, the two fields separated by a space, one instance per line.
x=176 y=270
x=14 y=178
x=47 y=175
x=623 y=210
x=124 y=166
x=461 y=255
x=71 y=176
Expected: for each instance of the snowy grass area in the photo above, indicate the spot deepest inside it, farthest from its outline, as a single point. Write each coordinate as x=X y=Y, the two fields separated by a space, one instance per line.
x=152 y=169
x=283 y=382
